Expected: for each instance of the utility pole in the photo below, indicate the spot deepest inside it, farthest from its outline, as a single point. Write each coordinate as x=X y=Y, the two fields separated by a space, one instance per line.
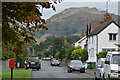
x=107 y=5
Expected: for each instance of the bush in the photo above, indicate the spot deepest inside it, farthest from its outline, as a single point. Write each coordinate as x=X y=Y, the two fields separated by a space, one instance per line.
x=57 y=55
x=84 y=55
x=21 y=59
x=6 y=54
x=101 y=54
x=76 y=54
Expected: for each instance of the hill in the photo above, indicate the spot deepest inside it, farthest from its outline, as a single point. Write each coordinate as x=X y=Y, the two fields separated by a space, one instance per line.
x=73 y=21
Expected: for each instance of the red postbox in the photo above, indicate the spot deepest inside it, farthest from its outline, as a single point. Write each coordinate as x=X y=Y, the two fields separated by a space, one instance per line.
x=12 y=63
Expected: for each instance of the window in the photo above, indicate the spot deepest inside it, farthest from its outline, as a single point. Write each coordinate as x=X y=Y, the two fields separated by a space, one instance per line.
x=112 y=36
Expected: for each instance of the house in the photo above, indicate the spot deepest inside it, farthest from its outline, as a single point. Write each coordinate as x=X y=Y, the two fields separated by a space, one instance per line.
x=102 y=37
x=81 y=42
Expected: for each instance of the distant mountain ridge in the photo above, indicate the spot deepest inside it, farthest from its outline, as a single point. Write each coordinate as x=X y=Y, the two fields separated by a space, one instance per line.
x=73 y=21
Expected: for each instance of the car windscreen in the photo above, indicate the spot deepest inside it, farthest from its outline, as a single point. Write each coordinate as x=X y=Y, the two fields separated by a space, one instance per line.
x=56 y=61
x=76 y=63
x=116 y=59
x=33 y=60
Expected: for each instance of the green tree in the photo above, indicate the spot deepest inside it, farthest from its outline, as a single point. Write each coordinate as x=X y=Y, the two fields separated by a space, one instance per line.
x=58 y=44
x=76 y=54
x=101 y=54
x=40 y=54
x=72 y=39
x=22 y=19
x=68 y=52
x=84 y=55
x=57 y=55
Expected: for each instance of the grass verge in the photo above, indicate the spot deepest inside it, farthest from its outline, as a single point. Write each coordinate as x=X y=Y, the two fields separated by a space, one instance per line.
x=16 y=74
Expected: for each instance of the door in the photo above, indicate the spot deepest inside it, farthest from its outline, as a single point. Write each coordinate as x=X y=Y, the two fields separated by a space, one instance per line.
x=107 y=66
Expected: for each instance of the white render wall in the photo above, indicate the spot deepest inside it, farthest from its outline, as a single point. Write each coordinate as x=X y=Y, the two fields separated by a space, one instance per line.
x=119 y=36
x=81 y=44
x=103 y=37
x=92 y=49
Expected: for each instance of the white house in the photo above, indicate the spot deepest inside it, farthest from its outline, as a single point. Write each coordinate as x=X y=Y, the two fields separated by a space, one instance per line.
x=103 y=38
x=81 y=42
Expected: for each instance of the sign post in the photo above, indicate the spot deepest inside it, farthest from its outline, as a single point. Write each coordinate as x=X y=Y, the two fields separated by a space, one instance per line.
x=12 y=65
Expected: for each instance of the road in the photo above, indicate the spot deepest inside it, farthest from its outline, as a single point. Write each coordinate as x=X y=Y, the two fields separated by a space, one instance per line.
x=47 y=71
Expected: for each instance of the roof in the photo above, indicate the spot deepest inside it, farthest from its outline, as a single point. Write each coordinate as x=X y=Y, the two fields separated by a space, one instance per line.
x=101 y=27
x=81 y=39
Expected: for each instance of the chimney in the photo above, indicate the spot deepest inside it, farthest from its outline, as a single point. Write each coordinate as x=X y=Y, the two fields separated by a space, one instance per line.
x=82 y=35
x=107 y=17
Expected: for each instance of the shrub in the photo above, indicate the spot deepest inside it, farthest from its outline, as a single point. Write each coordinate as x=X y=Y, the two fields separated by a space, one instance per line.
x=101 y=54
x=84 y=55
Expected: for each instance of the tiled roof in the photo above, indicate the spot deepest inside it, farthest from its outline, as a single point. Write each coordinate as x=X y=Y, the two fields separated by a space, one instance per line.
x=101 y=27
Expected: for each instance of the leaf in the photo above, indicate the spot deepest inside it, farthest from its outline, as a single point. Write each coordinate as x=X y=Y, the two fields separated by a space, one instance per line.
x=43 y=21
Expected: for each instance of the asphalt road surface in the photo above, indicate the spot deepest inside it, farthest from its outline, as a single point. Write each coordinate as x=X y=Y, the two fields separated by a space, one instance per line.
x=47 y=71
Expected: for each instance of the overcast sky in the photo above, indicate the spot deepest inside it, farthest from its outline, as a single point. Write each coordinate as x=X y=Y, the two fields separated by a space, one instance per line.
x=89 y=0
x=65 y=4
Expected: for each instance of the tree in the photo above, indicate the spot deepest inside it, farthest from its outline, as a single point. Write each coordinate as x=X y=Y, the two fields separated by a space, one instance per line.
x=58 y=43
x=22 y=19
x=68 y=52
x=6 y=54
x=40 y=54
x=76 y=54
x=72 y=39
x=57 y=55
x=84 y=55
x=101 y=54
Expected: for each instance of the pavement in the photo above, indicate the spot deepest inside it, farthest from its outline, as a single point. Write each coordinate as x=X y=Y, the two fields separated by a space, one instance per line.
x=47 y=71
x=4 y=65
x=90 y=71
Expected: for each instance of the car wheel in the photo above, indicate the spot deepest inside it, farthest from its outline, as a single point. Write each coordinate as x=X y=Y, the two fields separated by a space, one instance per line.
x=38 y=69
x=109 y=77
x=69 y=71
x=83 y=71
x=95 y=77
x=26 y=68
x=58 y=65
x=39 y=66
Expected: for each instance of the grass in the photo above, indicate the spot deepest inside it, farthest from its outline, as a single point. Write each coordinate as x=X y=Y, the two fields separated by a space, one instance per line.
x=16 y=73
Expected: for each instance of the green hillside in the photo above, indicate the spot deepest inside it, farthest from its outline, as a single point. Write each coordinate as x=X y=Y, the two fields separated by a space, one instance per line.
x=73 y=21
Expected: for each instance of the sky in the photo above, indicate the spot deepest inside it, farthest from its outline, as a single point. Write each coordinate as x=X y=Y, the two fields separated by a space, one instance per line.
x=65 y=4
x=90 y=0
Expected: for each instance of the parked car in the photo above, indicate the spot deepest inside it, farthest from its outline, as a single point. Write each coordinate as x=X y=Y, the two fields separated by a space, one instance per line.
x=43 y=58
x=112 y=65
x=99 y=70
x=76 y=65
x=48 y=59
x=55 y=62
x=33 y=63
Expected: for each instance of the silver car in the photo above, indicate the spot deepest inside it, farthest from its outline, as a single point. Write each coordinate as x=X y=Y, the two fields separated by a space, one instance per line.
x=76 y=65
x=55 y=63
x=99 y=70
